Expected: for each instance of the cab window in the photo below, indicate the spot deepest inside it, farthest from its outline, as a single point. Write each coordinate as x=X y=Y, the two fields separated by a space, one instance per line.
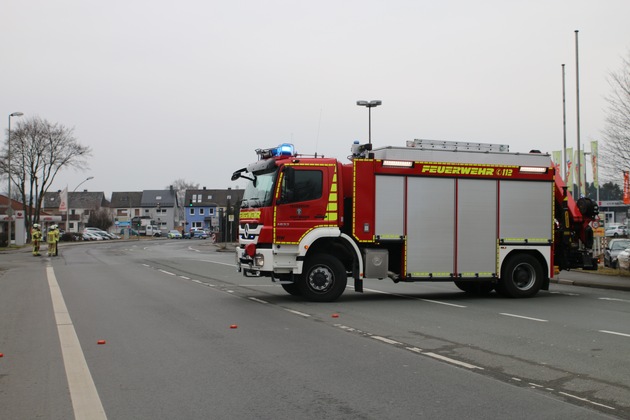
x=305 y=185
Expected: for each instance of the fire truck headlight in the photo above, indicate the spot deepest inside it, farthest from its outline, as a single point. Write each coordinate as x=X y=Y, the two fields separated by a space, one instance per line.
x=250 y=249
x=259 y=260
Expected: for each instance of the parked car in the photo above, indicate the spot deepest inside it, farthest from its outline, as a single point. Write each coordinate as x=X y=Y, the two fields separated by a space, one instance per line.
x=200 y=234
x=90 y=236
x=623 y=260
x=615 y=246
x=616 y=230
x=102 y=234
x=174 y=234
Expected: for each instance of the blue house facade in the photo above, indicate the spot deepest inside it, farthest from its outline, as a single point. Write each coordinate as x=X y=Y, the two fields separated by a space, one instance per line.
x=204 y=208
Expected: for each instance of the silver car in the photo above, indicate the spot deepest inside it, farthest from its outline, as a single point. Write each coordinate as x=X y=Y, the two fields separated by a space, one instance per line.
x=615 y=246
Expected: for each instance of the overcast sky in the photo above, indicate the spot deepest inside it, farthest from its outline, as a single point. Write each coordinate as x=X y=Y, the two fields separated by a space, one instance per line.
x=165 y=90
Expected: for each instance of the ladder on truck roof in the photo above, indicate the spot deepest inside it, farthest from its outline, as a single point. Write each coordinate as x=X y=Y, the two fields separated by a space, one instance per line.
x=457 y=145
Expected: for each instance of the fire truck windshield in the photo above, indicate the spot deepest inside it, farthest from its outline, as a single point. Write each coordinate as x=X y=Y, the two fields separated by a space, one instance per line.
x=259 y=192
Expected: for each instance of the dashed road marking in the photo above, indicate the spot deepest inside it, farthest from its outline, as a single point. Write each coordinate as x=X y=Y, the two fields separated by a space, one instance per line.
x=614 y=333
x=297 y=313
x=453 y=361
x=386 y=340
x=586 y=400
x=524 y=317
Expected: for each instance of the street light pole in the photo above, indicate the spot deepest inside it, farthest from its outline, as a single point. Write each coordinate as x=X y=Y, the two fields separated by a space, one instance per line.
x=369 y=105
x=68 y=203
x=10 y=208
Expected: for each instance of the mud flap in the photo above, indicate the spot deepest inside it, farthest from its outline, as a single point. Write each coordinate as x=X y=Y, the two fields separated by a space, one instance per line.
x=358 y=285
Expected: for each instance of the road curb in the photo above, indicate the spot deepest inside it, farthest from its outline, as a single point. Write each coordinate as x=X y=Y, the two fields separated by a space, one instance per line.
x=597 y=285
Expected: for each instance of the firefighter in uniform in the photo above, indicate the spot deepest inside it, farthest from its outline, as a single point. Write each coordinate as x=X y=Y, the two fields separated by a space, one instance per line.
x=36 y=236
x=51 y=238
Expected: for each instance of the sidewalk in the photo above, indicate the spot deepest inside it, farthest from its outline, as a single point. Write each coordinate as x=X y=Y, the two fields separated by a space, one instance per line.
x=593 y=279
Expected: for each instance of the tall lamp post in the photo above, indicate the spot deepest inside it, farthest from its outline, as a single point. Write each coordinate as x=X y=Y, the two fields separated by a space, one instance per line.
x=68 y=203
x=10 y=208
x=369 y=105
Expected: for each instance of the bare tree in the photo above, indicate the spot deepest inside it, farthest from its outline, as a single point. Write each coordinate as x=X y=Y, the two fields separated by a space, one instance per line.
x=39 y=150
x=101 y=218
x=615 y=148
x=181 y=185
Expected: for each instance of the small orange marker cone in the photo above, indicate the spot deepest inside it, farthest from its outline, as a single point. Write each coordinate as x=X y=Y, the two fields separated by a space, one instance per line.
x=233 y=326
x=335 y=315
x=100 y=342
x=1 y=354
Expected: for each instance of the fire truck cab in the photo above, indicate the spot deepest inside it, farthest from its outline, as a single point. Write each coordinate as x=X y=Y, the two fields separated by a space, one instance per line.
x=474 y=214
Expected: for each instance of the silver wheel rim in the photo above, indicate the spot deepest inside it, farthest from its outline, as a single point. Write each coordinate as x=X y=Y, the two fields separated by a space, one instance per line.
x=524 y=276
x=320 y=279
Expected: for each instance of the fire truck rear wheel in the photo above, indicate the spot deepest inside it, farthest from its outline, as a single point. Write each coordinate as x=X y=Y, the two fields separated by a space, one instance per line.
x=522 y=277
x=324 y=278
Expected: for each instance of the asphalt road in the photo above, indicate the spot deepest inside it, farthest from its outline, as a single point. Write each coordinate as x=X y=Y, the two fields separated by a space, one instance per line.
x=188 y=337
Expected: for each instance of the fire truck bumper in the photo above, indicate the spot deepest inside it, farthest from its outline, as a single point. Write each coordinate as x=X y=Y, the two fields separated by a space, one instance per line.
x=253 y=265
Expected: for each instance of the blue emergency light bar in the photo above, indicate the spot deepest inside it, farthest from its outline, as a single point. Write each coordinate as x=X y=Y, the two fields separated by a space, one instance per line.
x=285 y=149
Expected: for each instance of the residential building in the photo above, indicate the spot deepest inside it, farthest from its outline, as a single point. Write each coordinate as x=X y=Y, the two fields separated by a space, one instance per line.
x=125 y=206
x=81 y=204
x=215 y=210
x=162 y=207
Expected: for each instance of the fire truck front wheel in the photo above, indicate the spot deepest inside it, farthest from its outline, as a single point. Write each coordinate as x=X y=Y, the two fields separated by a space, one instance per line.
x=324 y=278
x=292 y=289
x=522 y=277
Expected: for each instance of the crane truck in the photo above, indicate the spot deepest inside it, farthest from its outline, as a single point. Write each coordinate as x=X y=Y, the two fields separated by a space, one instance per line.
x=474 y=214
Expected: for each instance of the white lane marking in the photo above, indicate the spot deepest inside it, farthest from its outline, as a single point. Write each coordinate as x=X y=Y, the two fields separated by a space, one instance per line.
x=217 y=262
x=411 y=297
x=414 y=349
x=453 y=361
x=298 y=313
x=385 y=340
x=443 y=303
x=615 y=333
x=585 y=400
x=259 y=285
x=166 y=272
x=525 y=317
x=85 y=400
x=564 y=294
x=614 y=299
x=184 y=277
x=146 y=265
x=257 y=300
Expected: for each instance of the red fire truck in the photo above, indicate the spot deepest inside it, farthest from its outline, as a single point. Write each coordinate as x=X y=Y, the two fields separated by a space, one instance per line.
x=475 y=214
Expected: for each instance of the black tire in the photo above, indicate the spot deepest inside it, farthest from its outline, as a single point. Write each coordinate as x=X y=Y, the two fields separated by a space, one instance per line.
x=521 y=277
x=477 y=288
x=324 y=278
x=292 y=289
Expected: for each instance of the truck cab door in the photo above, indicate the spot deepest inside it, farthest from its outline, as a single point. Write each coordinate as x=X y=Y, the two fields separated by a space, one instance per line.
x=301 y=202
